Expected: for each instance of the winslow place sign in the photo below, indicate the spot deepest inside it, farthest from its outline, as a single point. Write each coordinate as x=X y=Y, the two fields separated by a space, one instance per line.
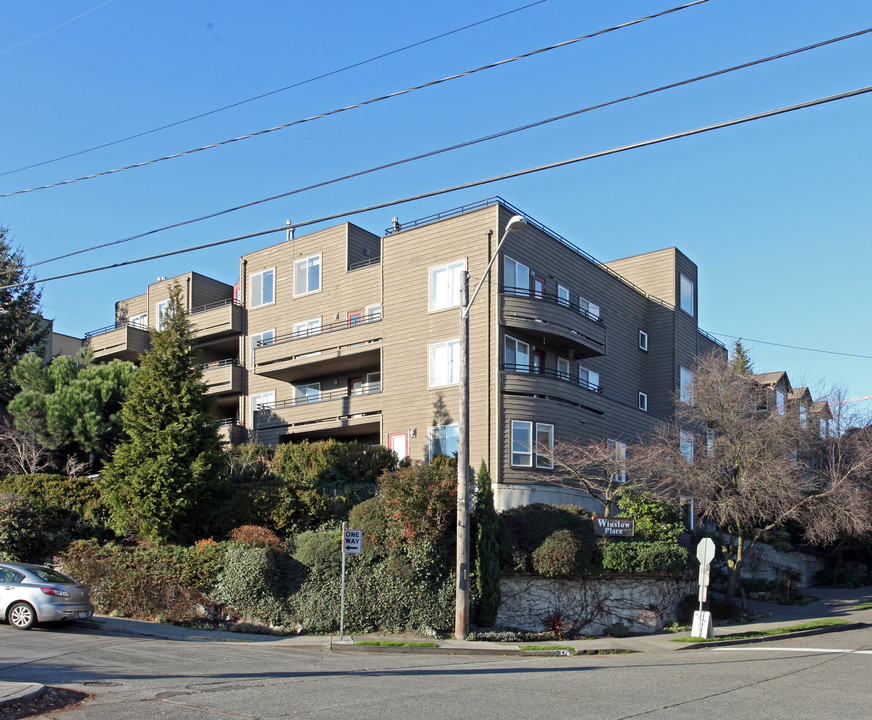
x=614 y=526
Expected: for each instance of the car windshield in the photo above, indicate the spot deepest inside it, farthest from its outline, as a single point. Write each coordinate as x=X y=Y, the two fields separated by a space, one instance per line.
x=52 y=576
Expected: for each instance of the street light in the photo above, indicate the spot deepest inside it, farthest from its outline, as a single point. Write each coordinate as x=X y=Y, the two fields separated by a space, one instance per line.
x=461 y=609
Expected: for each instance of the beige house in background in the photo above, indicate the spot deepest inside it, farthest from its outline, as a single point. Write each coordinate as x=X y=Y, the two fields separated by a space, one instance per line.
x=352 y=335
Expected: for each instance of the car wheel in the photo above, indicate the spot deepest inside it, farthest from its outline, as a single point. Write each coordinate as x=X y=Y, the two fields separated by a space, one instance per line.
x=21 y=615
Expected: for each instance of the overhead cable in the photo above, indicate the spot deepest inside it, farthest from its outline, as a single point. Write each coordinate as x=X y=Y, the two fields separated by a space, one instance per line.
x=278 y=90
x=463 y=186
x=52 y=29
x=355 y=106
x=449 y=148
x=794 y=347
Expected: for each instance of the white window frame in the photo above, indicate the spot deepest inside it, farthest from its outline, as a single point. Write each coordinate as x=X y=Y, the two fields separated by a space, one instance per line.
x=267 y=399
x=445 y=432
x=372 y=382
x=515 y=271
x=643 y=401
x=307 y=328
x=592 y=310
x=588 y=378
x=803 y=416
x=256 y=282
x=518 y=353
x=160 y=309
x=563 y=368
x=521 y=443
x=685 y=385
x=686 y=291
x=139 y=321
x=372 y=313
x=310 y=391
x=685 y=445
x=780 y=401
x=545 y=438
x=443 y=363
x=306 y=264
x=563 y=295
x=445 y=284
x=643 y=340
x=620 y=451
x=254 y=338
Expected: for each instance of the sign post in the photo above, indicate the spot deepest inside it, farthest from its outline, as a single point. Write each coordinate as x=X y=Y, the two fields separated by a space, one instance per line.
x=351 y=543
x=702 y=621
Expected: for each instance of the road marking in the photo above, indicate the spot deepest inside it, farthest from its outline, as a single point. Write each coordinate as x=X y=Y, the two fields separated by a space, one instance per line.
x=796 y=649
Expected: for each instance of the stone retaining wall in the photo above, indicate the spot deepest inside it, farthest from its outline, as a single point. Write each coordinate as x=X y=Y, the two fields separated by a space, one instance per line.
x=644 y=603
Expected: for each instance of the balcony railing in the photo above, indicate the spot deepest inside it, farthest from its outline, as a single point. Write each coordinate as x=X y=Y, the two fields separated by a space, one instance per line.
x=117 y=326
x=320 y=330
x=553 y=374
x=219 y=364
x=367 y=389
x=551 y=298
x=213 y=305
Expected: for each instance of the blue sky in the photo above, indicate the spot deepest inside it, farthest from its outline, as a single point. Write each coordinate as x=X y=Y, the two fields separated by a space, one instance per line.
x=775 y=213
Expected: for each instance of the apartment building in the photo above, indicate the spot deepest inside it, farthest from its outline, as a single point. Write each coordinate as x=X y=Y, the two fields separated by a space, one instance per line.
x=348 y=334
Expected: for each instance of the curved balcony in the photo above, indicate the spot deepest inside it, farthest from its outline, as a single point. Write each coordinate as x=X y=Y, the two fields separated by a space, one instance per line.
x=523 y=381
x=562 y=326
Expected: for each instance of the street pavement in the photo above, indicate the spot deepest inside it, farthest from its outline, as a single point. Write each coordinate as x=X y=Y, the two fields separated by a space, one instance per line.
x=837 y=603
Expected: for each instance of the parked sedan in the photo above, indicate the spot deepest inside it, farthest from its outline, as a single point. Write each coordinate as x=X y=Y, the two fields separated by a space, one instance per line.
x=36 y=593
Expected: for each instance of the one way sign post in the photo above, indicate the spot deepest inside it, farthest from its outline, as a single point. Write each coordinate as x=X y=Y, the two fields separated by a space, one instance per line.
x=702 y=621
x=352 y=540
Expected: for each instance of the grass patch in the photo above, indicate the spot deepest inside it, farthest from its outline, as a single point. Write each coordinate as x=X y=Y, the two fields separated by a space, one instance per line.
x=397 y=643
x=549 y=648
x=812 y=625
x=864 y=606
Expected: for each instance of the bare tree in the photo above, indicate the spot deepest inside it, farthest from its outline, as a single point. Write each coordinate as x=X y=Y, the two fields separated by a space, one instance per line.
x=751 y=466
x=21 y=452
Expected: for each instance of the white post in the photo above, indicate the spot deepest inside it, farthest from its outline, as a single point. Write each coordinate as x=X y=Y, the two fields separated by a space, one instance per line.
x=342 y=593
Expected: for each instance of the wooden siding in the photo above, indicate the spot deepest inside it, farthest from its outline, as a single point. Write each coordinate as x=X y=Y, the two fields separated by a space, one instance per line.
x=125 y=343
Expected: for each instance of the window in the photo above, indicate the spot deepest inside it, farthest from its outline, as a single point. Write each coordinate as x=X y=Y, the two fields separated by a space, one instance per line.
x=444 y=363
x=160 y=310
x=139 y=321
x=643 y=401
x=307 y=275
x=563 y=295
x=372 y=312
x=308 y=393
x=588 y=308
x=709 y=442
x=445 y=283
x=267 y=337
x=355 y=317
x=517 y=355
x=779 y=401
x=685 y=443
x=824 y=428
x=686 y=295
x=517 y=279
x=262 y=401
x=620 y=458
x=685 y=388
x=563 y=368
x=588 y=378
x=443 y=441
x=643 y=340
x=538 y=287
x=399 y=443
x=307 y=328
x=803 y=416
x=262 y=286
x=544 y=446
x=372 y=382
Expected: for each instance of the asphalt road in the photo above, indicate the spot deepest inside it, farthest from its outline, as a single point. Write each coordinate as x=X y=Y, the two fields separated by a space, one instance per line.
x=820 y=677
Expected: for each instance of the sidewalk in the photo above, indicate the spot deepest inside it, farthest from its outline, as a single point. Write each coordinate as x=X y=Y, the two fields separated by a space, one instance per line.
x=831 y=603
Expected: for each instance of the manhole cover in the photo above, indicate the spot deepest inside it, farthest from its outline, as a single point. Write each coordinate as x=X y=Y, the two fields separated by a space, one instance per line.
x=103 y=683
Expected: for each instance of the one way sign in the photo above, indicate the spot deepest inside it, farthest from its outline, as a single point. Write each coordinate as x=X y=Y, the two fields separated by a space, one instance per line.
x=351 y=541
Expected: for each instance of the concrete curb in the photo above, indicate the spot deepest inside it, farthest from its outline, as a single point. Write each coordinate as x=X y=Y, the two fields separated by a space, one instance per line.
x=770 y=638
x=16 y=691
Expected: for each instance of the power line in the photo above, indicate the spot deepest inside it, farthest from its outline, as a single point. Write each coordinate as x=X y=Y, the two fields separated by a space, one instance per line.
x=355 y=106
x=794 y=347
x=52 y=29
x=457 y=146
x=466 y=186
x=271 y=92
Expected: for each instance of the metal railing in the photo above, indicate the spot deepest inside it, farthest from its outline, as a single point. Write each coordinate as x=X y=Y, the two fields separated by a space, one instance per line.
x=214 y=305
x=121 y=324
x=219 y=364
x=552 y=298
x=553 y=374
x=367 y=389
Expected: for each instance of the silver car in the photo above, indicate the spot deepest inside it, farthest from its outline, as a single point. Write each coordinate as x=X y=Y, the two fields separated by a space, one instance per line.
x=36 y=593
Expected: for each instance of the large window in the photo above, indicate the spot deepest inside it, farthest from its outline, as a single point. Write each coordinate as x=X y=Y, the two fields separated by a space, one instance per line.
x=307 y=275
x=307 y=327
x=588 y=378
x=685 y=387
x=779 y=401
x=517 y=355
x=442 y=441
x=262 y=401
x=308 y=393
x=267 y=337
x=563 y=295
x=444 y=363
x=563 y=368
x=445 y=283
x=139 y=321
x=588 y=308
x=262 y=288
x=160 y=310
x=524 y=448
x=686 y=297
x=803 y=416
x=517 y=278
x=619 y=456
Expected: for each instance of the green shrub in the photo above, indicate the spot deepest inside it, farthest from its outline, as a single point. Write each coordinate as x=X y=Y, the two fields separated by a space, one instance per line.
x=20 y=533
x=525 y=528
x=320 y=552
x=558 y=555
x=616 y=630
x=655 y=520
x=257 y=582
x=642 y=556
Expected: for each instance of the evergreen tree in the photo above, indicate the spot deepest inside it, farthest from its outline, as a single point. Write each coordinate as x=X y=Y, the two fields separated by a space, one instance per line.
x=486 y=561
x=159 y=476
x=740 y=361
x=22 y=329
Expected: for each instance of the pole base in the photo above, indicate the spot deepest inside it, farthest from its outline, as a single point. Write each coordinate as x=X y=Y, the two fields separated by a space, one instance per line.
x=702 y=625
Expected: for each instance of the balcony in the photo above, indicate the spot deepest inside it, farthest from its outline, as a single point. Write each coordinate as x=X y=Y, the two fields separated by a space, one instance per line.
x=122 y=341
x=338 y=348
x=220 y=319
x=327 y=414
x=518 y=380
x=565 y=328
x=230 y=431
x=224 y=377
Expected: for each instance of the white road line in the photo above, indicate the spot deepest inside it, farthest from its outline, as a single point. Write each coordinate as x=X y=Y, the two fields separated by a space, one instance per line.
x=796 y=649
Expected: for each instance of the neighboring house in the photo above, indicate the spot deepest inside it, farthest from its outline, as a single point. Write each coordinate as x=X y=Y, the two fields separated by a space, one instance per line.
x=351 y=335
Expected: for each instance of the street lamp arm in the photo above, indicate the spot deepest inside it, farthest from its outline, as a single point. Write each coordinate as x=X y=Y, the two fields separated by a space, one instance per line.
x=516 y=223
